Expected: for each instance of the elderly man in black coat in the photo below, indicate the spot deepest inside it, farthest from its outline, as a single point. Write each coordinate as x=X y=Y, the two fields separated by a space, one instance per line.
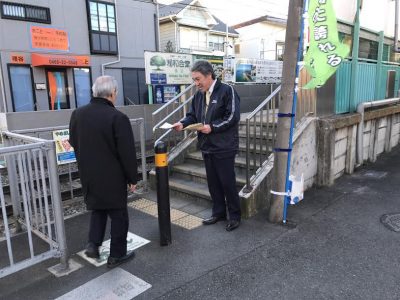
x=104 y=146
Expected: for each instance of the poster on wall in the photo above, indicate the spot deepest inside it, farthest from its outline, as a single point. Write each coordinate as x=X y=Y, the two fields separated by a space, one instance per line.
x=48 y=38
x=167 y=68
x=249 y=70
x=216 y=61
x=64 y=151
x=229 y=69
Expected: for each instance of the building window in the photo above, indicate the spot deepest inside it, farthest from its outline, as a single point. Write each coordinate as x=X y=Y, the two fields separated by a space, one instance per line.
x=368 y=49
x=23 y=12
x=280 y=49
x=102 y=28
x=82 y=83
x=193 y=39
x=22 y=94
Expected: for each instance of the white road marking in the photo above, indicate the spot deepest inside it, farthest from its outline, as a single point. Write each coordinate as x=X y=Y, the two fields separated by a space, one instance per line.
x=116 y=284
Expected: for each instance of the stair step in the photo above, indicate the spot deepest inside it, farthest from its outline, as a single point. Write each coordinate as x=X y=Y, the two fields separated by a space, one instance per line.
x=197 y=172
x=239 y=161
x=188 y=190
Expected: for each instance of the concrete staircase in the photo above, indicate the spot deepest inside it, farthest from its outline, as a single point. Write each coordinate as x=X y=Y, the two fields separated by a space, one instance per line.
x=187 y=179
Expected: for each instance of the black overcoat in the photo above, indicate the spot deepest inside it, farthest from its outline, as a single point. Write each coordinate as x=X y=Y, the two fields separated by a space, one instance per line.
x=104 y=146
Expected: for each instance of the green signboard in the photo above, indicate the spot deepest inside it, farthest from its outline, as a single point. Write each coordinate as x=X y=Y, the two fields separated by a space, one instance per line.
x=325 y=52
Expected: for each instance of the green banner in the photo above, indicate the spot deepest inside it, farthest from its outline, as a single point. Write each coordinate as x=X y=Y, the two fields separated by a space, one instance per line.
x=325 y=52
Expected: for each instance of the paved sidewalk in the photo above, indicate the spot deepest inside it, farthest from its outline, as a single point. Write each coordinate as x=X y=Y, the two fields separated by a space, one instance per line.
x=339 y=250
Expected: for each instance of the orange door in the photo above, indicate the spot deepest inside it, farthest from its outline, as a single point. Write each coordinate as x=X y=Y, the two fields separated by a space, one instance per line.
x=57 y=87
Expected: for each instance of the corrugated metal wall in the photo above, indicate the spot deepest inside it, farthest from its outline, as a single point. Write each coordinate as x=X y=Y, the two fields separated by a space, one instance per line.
x=365 y=85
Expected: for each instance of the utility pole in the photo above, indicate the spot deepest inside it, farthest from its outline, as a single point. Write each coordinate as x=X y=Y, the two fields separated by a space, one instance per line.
x=285 y=107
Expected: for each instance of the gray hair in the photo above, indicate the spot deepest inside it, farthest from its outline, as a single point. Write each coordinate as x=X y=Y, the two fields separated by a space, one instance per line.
x=104 y=86
x=203 y=67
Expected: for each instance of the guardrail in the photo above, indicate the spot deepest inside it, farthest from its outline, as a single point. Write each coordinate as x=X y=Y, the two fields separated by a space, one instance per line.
x=36 y=201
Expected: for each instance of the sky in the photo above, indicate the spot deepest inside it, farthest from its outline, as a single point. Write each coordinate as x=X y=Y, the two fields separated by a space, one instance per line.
x=236 y=11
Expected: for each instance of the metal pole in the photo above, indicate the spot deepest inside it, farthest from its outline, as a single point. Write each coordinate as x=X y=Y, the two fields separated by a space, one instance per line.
x=379 y=65
x=164 y=218
x=143 y=150
x=12 y=178
x=57 y=205
x=354 y=62
x=396 y=26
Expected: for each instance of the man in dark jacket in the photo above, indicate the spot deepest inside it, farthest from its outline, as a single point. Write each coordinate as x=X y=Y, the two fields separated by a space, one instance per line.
x=217 y=106
x=105 y=151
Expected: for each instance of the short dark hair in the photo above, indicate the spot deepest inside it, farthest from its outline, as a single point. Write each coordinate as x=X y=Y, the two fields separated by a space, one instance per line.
x=203 y=67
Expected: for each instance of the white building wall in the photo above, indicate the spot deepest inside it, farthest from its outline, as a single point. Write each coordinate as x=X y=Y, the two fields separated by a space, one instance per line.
x=167 y=33
x=375 y=15
x=258 y=37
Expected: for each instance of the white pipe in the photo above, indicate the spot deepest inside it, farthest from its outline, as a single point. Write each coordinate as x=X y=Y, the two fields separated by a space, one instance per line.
x=360 y=130
x=158 y=25
x=119 y=50
x=176 y=34
x=3 y=92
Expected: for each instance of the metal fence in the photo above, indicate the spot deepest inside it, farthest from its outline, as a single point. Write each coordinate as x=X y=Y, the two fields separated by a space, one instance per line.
x=70 y=170
x=33 y=182
x=36 y=203
x=371 y=84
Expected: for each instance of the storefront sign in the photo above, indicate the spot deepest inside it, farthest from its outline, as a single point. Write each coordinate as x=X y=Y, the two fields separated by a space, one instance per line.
x=258 y=70
x=64 y=151
x=167 y=68
x=47 y=38
x=60 y=60
x=17 y=58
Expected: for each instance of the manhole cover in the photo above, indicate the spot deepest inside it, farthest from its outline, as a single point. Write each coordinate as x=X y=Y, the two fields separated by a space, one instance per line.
x=391 y=221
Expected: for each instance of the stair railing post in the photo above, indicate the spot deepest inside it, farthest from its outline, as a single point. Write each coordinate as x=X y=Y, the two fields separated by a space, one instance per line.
x=248 y=187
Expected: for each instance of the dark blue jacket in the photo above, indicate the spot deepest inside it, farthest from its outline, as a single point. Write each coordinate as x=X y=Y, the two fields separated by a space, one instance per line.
x=223 y=116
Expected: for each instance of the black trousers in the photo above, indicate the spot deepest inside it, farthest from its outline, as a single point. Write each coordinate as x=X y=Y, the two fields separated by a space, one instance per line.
x=221 y=179
x=119 y=229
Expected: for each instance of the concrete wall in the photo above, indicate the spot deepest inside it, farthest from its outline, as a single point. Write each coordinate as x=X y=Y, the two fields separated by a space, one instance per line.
x=251 y=95
x=304 y=154
x=337 y=141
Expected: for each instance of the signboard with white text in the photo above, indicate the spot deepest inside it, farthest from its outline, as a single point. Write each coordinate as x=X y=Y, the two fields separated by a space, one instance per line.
x=167 y=68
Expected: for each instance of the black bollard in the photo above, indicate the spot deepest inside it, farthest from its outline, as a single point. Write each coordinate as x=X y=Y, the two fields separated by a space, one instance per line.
x=164 y=218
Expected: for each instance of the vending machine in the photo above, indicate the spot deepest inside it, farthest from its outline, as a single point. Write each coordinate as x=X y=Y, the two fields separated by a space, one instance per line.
x=164 y=93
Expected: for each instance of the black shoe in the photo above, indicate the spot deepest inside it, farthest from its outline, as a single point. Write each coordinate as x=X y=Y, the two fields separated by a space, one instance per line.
x=112 y=262
x=232 y=225
x=92 y=251
x=213 y=220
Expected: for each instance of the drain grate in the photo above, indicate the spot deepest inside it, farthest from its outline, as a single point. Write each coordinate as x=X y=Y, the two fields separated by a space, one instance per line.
x=391 y=221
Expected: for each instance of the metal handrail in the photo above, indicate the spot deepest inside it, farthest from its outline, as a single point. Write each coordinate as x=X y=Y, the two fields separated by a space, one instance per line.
x=267 y=105
x=167 y=104
x=172 y=111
